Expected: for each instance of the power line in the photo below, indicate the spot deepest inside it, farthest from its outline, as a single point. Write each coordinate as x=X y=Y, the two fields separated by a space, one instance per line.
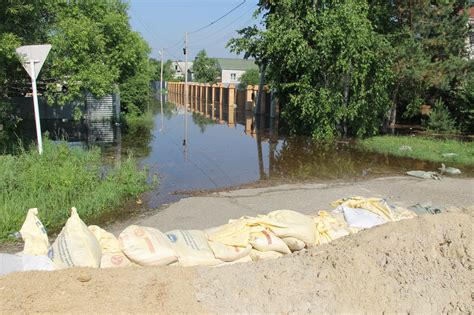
x=217 y=20
x=226 y=26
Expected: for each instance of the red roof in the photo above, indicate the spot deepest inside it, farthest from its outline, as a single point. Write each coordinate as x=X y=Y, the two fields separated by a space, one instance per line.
x=470 y=12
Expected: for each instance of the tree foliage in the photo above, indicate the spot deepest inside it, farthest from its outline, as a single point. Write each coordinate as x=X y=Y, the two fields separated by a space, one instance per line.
x=250 y=77
x=206 y=70
x=93 y=49
x=339 y=66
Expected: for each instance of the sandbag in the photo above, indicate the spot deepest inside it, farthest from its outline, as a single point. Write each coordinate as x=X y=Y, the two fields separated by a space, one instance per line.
x=235 y=233
x=146 y=246
x=244 y=259
x=375 y=205
x=192 y=248
x=294 y=244
x=359 y=218
x=34 y=235
x=258 y=255
x=229 y=253
x=112 y=255
x=329 y=228
x=75 y=246
x=13 y=263
x=265 y=240
x=288 y=223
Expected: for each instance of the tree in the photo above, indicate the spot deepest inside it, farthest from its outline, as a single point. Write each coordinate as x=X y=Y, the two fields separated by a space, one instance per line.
x=93 y=49
x=205 y=69
x=429 y=59
x=250 y=77
x=324 y=61
x=168 y=70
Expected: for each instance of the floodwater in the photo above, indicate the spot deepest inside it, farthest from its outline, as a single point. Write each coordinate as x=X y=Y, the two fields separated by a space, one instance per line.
x=192 y=152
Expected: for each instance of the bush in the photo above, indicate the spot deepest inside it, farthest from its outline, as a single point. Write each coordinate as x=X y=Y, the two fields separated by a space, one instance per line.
x=440 y=119
x=60 y=178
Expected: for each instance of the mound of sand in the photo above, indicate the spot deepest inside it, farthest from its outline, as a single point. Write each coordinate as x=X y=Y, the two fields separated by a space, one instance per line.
x=424 y=265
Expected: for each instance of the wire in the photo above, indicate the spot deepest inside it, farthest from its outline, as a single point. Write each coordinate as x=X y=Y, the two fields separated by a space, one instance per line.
x=226 y=26
x=217 y=20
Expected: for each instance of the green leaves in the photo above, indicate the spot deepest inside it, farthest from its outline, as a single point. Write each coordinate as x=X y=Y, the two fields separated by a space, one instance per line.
x=206 y=70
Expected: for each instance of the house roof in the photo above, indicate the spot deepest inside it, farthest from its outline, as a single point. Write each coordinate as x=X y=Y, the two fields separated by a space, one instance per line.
x=236 y=64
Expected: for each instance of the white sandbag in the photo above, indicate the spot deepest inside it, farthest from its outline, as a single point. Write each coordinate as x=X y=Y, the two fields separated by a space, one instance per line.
x=13 y=263
x=244 y=259
x=75 y=246
x=112 y=255
x=359 y=218
x=192 y=248
x=294 y=244
x=34 y=235
x=267 y=241
x=258 y=255
x=146 y=246
x=288 y=223
x=229 y=253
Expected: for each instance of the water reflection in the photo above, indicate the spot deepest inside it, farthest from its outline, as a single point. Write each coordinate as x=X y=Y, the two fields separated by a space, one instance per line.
x=225 y=150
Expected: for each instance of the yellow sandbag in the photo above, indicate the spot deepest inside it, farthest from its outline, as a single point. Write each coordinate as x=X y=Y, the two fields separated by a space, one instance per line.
x=258 y=255
x=146 y=246
x=235 y=233
x=112 y=255
x=228 y=252
x=75 y=246
x=34 y=235
x=192 y=248
x=294 y=244
x=288 y=223
x=329 y=228
x=265 y=240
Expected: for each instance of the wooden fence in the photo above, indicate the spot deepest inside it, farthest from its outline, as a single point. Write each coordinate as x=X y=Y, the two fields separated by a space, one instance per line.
x=219 y=101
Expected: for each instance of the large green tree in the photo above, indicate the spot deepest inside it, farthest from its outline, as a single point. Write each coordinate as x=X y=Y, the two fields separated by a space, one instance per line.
x=205 y=69
x=93 y=49
x=324 y=61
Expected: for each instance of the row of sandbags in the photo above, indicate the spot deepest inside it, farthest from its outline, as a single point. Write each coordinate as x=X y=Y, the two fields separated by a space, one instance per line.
x=262 y=237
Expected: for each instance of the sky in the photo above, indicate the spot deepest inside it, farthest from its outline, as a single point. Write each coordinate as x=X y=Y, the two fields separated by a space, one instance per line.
x=163 y=24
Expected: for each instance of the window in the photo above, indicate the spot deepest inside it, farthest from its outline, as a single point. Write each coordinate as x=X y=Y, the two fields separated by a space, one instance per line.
x=233 y=76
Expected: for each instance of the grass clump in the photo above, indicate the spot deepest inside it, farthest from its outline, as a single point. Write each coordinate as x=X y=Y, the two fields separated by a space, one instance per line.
x=60 y=178
x=422 y=148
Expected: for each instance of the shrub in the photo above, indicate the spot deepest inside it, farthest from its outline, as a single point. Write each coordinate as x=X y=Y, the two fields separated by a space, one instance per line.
x=440 y=119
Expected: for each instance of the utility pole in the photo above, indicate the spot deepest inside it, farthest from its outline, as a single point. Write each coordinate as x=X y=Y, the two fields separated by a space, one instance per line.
x=161 y=87
x=185 y=89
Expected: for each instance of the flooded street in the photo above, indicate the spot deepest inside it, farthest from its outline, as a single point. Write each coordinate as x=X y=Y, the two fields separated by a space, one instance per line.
x=219 y=154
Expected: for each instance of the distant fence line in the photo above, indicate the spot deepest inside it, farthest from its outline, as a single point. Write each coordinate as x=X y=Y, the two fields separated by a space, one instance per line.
x=92 y=108
x=217 y=100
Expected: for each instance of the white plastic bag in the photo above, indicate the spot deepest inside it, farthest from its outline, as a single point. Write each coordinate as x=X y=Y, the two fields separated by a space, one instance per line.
x=75 y=246
x=294 y=244
x=146 y=246
x=14 y=263
x=359 y=218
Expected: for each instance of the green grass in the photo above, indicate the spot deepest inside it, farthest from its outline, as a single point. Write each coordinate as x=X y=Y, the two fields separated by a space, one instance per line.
x=422 y=148
x=60 y=178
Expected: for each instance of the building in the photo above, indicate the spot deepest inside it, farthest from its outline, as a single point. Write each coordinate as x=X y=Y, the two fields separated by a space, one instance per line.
x=232 y=69
x=178 y=68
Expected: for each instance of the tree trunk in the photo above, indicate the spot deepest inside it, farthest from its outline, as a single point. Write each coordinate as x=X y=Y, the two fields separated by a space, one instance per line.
x=347 y=87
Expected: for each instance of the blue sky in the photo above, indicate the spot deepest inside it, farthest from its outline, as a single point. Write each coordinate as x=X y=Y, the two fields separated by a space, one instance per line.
x=163 y=24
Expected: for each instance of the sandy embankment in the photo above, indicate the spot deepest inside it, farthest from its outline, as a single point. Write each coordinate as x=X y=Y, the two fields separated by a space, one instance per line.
x=423 y=265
